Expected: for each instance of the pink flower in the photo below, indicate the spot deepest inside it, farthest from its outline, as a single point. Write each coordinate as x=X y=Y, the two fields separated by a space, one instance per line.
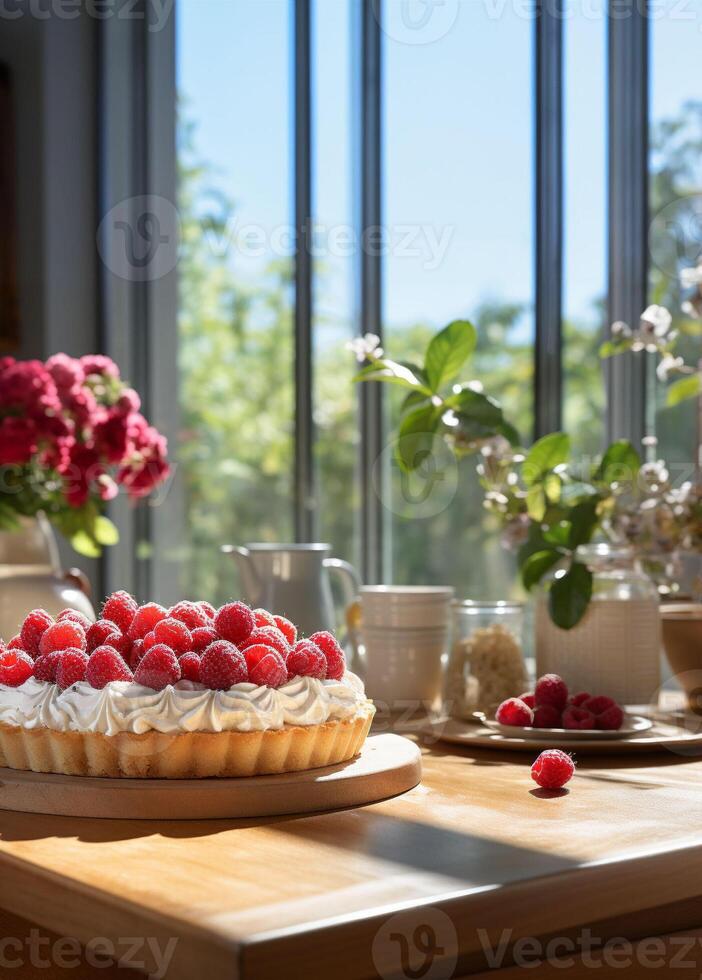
x=111 y=436
x=81 y=403
x=99 y=364
x=18 y=440
x=128 y=402
x=28 y=385
x=66 y=371
x=80 y=470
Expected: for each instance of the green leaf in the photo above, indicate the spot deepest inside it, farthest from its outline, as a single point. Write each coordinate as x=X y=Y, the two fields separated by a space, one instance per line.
x=416 y=436
x=569 y=596
x=620 y=464
x=509 y=432
x=552 y=487
x=412 y=400
x=550 y=451
x=559 y=534
x=607 y=349
x=392 y=372
x=536 y=503
x=536 y=566
x=105 y=532
x=448 y=351
x=82 y=542
x=683 y=389
x=583 y=521
x=476 y=407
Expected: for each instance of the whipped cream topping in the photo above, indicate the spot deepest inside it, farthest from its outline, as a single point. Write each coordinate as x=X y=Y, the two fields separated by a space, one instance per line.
x=123 y=706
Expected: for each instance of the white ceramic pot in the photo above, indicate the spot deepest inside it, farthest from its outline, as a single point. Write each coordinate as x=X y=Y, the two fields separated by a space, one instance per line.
x=31 y=577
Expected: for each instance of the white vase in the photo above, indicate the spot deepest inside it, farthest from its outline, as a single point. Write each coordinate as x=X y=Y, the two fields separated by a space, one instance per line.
x=31 y=577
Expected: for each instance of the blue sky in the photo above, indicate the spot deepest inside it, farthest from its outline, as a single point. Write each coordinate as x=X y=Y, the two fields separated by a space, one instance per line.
x=458 y=138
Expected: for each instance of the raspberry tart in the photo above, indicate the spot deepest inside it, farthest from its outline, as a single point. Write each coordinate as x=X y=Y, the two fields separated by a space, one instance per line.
x=180 y=693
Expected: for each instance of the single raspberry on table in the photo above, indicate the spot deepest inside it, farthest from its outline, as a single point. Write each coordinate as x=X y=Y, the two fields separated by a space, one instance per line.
x=288 y=629
x=528 y=699
x=234 y=622
x=106 y=665
x=266 y=666
x=45 y=667
x=33 y=628
x=546 y=716
x=331 y=648
x=514 y=712
x=189 y=613
x=98 y=633
x=306 y=660
x=174 y=634
x=222 y=666
x=120 y=607
x=268 y=636
x=202 y=637
x=73 y=616
x=264 y=618
x=552 y=769
x=551 y=689
x=62 y=636
x=208 y=609
x=16 y=667
x=72 y=665
x=578 y=719
x=158 y=668
x=16 y=644
x=190 y=666
x=145 y=618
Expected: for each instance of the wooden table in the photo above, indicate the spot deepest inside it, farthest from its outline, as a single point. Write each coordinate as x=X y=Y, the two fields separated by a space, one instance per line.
x=473 y=858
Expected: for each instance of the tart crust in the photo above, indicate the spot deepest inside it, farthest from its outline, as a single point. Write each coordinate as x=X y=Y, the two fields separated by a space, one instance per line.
x=186 y=755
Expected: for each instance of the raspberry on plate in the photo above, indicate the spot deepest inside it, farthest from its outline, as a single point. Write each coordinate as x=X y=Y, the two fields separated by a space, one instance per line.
x=189 y=613
x=65 y=635
x=222 y=666
x=190 y=666
x=234 y=622
x=266 y=666
x=268 y=636
x=174 y=633
x=528 y=699
x=546 y=716
x=98 y=633
x=45 y=667
x=264 y=618
x=145 y=618
x=158 y=668
x=201 y=638
x=15 y=667
x=551 y=689
x=599 y=703
x=306 y=660
x=331 y=648
x=74 y=617
x=106 y=665
x=121 y=608
x=72 y=665
x=552 y=769
x=610 y=720
x=578 y=719
x=514 y=712
x=33 y=628
x=579 y=699
x=288 y=629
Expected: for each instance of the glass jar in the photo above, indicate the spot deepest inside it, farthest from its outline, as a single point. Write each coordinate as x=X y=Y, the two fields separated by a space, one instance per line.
x=615 y=648
x=486 y=663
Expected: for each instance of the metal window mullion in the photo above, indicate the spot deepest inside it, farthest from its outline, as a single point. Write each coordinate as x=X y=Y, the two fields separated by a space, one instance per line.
x=549 y=218
x=305 y=503
x=369 y=211
x=628 y=210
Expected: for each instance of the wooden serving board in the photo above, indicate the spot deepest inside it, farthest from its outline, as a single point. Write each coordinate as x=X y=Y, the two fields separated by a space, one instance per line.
x=387 y=765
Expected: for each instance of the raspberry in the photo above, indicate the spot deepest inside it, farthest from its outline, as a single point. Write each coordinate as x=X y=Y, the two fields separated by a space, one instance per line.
x=106 y=665
x=33 y=628
x=202 y=637
x=546 y=716
x=552 y=769
x=137 y=652
x=266 y=666
x=74 y=617
x=149 y=641
x=222 y=666
x=15 y=667
x=98 y=633
x=189 y=613
x=578 y=719
x=121 y=608
x=208 y=609
x=158 y=668
x=268 y=636
x=190 y=667
x=122 y=644
x=234 y=622
x=288 y=629
x=551 y=689
x=45 y=667
x=72 y=665
x=598 y=704
x=174 y=634
x=145 y=619
x=579 y=699
x=306 y=660
x=528 y=699
x=514 y=712
x=16 y=644
x=264 y=618
x=610 y=720
x=62 y=636
x=330 y=647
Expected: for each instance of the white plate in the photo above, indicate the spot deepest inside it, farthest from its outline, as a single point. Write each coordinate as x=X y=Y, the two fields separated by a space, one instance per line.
x=632 y=725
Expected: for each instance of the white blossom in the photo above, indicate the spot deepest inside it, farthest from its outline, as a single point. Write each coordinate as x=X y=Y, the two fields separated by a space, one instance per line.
x=689 y=278
x=655 y=322
x=365 y=346
x=669 y=364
